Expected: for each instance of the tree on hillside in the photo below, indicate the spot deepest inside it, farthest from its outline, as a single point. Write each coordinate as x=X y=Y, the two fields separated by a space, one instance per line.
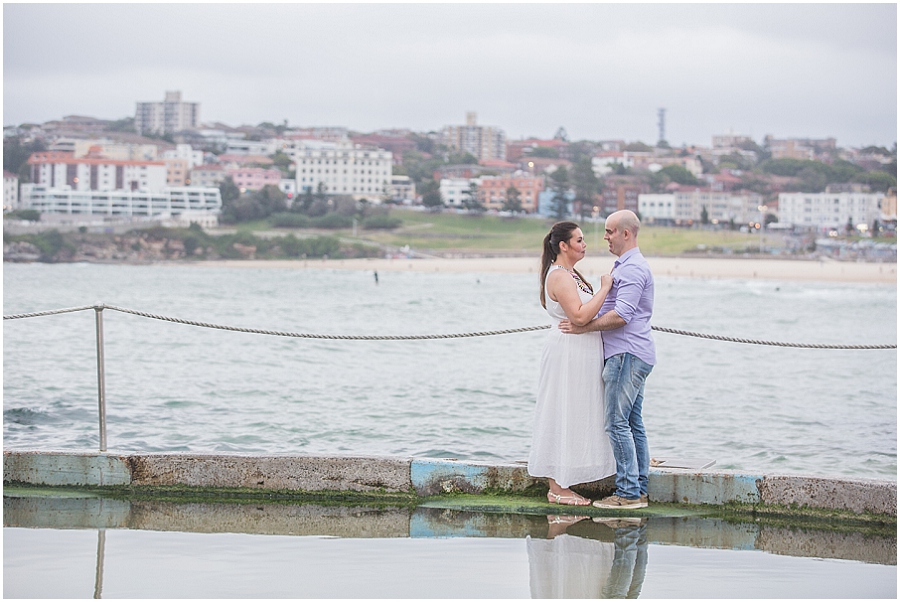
x=586 y=185
x=229 y=190
x=471 y=201
x=878 y=181
x=462 y=158
x=431 y=194
x=637 y=147
x=679 y=174
x=513 y=200
x=15 y=156
x=559 y=184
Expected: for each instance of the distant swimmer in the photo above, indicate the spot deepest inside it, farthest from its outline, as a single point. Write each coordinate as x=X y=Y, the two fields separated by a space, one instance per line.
x=376 y=276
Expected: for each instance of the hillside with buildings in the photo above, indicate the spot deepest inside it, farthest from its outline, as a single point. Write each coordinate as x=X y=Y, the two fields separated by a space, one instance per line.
x=166 y=165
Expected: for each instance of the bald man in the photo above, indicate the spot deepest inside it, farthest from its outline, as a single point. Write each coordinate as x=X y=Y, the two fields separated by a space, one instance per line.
x=629 y=356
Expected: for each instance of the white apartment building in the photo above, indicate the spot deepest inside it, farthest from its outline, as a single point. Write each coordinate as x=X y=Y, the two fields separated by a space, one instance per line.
x=120 y=203
x=187 y=153
x=10 y=191
x=687 y=206
x=59 y=169
x=455 y=191
x=656 y=207
x=344 y=168
x=166 y=117
x=484 y=142
x=828 y=210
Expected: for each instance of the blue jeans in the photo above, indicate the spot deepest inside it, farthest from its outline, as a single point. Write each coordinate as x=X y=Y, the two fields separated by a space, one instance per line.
x=623 y=377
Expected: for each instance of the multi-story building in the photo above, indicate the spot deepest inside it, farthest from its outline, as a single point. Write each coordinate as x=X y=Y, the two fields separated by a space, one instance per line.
x=825 y=211
x=456 y=191
x=177 y=172
x=621 y=195
x=207 y=176
x=492 y=190
x=721 y=206
x=121 y=203
x=800 y=148
x=889 y=206
x=656 y=208
x=59 y=169
x=10 y=191
x=344 y=168
x=166 y=117
x=254 y=178
x=484 y=142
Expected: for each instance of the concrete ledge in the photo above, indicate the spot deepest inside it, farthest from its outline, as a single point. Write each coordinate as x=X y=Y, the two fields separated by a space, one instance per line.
x=306 y=473
x=427 y=477
x=65 y=468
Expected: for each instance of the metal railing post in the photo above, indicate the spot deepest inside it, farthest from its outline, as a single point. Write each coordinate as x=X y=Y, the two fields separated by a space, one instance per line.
x=101 y=375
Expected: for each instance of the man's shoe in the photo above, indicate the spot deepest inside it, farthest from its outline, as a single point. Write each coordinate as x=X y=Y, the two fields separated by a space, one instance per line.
x=645 y=499
x=615 y=502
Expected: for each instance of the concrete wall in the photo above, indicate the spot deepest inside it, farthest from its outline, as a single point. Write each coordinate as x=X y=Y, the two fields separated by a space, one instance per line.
x=427 y=477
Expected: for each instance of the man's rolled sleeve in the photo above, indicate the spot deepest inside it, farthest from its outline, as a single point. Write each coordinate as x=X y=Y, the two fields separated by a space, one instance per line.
x=628 y=294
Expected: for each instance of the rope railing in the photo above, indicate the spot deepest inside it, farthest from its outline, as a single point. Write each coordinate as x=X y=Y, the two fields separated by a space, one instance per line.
x=101 y=372
x=423 y=337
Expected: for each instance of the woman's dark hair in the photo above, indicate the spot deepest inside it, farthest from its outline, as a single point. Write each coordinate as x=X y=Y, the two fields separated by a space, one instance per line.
x=560 y=232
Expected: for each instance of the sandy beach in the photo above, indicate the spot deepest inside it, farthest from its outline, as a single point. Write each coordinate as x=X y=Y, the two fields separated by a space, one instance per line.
x=688 y=267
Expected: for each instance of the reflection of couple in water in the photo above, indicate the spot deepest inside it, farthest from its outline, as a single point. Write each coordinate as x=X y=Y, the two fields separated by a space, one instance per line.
x=601 y=558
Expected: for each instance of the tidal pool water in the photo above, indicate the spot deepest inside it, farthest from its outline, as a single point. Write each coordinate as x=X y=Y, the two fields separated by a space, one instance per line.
x=92 y=547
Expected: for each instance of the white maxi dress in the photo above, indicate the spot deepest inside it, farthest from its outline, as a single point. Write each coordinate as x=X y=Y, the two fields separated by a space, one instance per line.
x=569 y=442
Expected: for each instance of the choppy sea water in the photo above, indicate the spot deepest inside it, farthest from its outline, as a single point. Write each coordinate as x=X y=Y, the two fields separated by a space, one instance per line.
x=173 y=387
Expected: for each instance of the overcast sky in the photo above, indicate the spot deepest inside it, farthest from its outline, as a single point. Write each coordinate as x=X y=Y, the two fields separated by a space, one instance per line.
x=600 y=70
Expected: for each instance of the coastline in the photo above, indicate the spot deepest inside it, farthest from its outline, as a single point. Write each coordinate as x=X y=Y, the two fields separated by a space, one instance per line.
x=678 y=267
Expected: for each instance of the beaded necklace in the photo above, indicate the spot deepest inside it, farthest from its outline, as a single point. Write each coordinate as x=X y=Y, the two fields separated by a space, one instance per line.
x=578 y=281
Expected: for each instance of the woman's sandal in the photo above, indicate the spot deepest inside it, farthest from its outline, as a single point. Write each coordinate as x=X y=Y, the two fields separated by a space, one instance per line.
x=567 y=500
x=564 y=519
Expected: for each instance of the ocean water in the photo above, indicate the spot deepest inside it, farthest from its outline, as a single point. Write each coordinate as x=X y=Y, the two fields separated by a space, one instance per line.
x=173 y=387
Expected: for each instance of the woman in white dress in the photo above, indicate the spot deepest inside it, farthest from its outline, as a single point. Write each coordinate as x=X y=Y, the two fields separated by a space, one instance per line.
x=569 y=444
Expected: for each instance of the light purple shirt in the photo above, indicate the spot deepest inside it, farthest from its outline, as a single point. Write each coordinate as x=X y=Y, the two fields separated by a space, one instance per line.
x=632 y=298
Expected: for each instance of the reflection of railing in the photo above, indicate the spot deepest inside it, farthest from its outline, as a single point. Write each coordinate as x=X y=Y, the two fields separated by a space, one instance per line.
x=101 y=377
